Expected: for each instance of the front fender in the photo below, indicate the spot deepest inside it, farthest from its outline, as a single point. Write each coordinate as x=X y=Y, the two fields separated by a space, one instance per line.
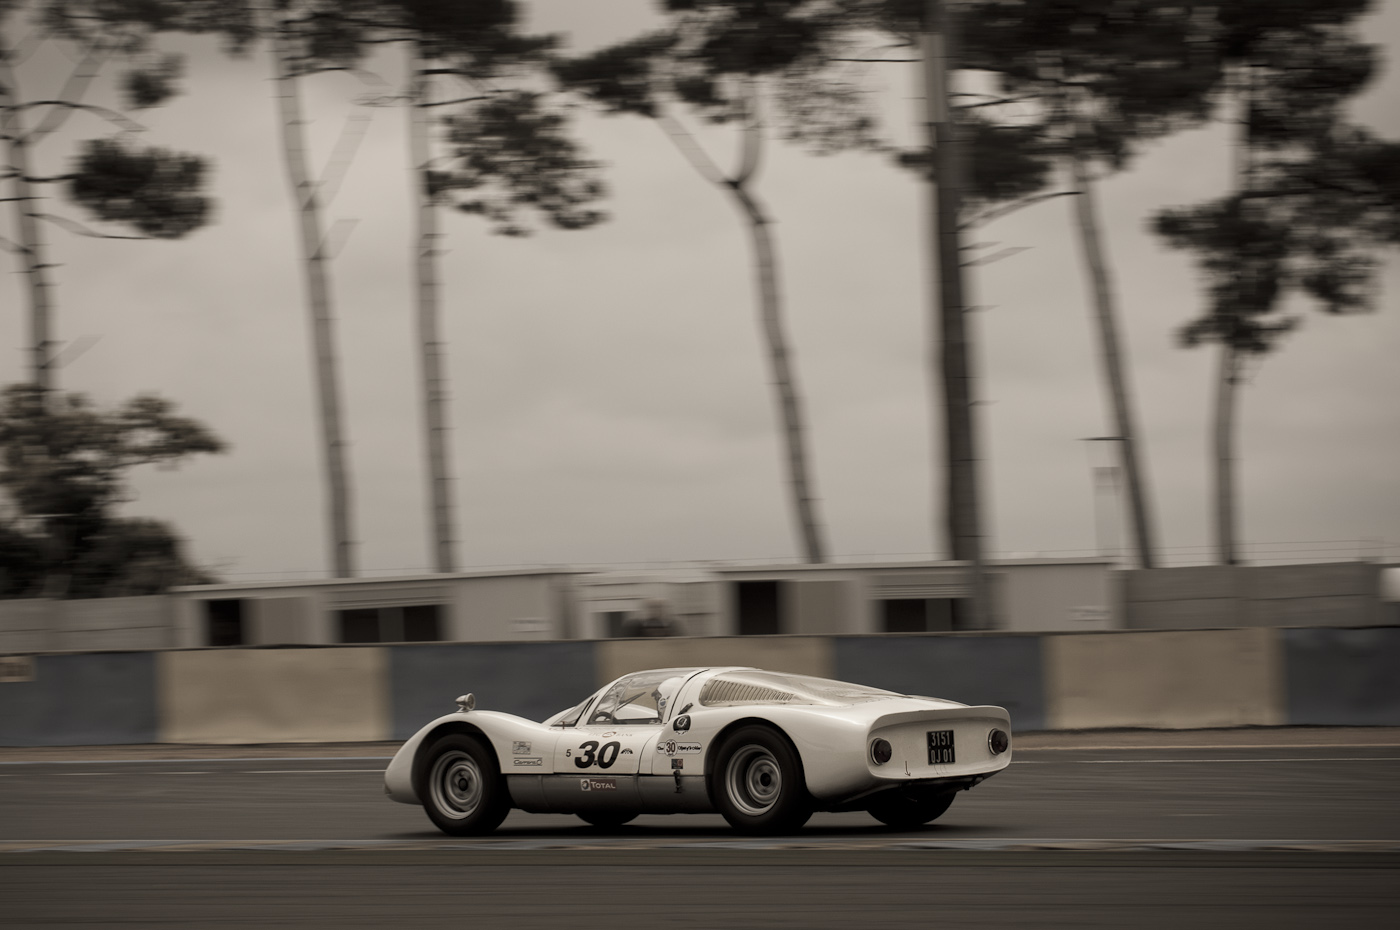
x=499 y=729
x=398 y=777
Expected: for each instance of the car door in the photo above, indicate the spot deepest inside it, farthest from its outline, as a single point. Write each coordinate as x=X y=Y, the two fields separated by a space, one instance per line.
x=596 y=762
x=672 y=778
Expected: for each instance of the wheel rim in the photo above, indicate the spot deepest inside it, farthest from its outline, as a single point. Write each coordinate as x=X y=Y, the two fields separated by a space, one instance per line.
x=456 y=785
x=754 y=780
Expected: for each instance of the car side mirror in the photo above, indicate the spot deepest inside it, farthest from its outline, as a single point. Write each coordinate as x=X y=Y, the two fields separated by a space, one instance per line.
x=682 y=723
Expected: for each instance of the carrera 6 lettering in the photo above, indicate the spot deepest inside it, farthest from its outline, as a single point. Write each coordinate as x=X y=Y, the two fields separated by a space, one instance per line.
x=591 y=753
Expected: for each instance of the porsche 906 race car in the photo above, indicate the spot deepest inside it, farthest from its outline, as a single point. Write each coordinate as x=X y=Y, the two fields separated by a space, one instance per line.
x=765 y=749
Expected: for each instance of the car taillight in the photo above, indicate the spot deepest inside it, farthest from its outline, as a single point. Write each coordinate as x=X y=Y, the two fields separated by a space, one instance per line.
x=881 y=751
x=998 y=741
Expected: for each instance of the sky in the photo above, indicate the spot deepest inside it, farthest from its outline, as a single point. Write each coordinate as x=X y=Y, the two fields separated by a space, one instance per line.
x=610 y=400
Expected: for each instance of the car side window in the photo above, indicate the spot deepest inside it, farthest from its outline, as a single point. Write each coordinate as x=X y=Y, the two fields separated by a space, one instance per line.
x=636 y=699
x=570 y=719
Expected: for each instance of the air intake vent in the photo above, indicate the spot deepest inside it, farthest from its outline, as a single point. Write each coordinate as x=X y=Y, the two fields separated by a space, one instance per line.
x=721 y=693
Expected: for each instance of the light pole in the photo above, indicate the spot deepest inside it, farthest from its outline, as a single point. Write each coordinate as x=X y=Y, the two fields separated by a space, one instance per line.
x=1108 y=490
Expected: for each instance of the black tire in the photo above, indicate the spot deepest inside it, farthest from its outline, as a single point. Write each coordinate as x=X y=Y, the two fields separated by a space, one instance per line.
x=757 y=782
x=903 y=811
x=462 y=789
x=606 y=819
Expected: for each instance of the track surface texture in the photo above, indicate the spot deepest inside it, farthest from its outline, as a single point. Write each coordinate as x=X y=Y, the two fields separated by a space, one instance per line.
x=1277 y=828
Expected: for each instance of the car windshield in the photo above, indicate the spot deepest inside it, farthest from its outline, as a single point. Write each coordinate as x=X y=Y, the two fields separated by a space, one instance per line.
x=745 y=686
x=640 y=698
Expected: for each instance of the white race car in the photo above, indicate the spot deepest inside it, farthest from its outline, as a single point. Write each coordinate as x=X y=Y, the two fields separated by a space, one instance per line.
x=765 y=749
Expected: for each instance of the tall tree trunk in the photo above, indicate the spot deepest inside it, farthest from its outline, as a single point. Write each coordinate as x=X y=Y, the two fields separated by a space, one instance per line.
x=313 y=241
x=784 y=380
x=803 y=499
x=950 y=356
x=1224 y=454
x=1231 y=357
x=1110 y=347
x=29 y=242
x=433 y=380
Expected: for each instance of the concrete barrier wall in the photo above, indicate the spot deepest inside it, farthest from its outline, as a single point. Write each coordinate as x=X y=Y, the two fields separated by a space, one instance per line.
x=85 y=625
x=273 y=695
x=81 y=700
x=26 y=625
x=1160 y=679
x=1000 y=670
x=1213 y=596
x=1168 y=680
x=1340 y=677
x=115 y=623
x=804 y=655
x=533 y=680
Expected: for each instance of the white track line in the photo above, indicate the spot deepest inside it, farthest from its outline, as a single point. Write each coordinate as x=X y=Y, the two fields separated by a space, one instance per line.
x=1295 y=760
x=312 y=772
x=377 y=771
x=989 y=844
x=1204 y=747
x=167 y=761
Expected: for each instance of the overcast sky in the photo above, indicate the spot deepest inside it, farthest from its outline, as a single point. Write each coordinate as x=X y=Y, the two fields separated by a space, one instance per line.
x=610 y=399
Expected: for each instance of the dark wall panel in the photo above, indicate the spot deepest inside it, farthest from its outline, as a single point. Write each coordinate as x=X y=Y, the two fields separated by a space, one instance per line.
x=81 y=700
x=533 y=680
x=1342 y=677
x=1000 y=670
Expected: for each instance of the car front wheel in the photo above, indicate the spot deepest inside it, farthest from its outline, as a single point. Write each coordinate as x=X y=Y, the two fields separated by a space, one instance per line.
x=757 y=782
x=462 y=792
x=897 y=809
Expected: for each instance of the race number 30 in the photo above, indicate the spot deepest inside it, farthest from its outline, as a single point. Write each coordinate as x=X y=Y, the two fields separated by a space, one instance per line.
x=591 y=753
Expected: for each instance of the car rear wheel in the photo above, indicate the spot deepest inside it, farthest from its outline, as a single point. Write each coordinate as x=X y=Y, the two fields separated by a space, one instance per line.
x=897 y=809
x=757 y=782
x=462 y=791
x=606 y=818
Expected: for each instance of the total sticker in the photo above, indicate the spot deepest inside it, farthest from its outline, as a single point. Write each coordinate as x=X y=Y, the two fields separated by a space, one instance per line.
x=597 y=784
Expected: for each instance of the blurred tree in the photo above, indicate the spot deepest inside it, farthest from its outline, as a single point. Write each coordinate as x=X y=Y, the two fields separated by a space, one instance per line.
x=503 y=151
x=764 y=66
x=1313 y=198
x=63 y=466
x=1083 y=83
x=152 y=190
x=305 y=37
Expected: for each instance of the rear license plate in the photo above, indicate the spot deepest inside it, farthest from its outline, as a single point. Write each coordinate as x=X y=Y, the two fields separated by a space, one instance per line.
x=940 y=747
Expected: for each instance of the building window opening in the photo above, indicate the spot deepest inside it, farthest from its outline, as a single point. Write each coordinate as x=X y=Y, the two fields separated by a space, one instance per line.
x=614 y=623
x=918 y=615
x=224 y=621
x=420 y=623
x=758 y=607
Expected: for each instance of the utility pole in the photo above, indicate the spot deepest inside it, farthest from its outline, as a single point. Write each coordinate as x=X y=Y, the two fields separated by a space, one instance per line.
x=950 y=354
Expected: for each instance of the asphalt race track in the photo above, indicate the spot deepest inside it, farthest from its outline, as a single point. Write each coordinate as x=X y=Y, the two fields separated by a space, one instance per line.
x=1298 y=829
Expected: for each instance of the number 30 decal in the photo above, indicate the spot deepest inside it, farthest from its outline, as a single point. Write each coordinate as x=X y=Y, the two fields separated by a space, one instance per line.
x=605 y=757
